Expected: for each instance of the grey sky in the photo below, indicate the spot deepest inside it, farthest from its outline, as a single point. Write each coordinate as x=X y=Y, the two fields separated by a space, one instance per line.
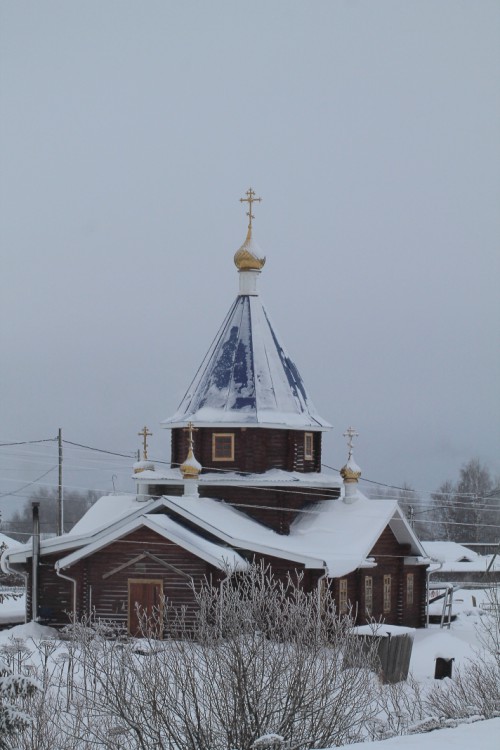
x=129 y=130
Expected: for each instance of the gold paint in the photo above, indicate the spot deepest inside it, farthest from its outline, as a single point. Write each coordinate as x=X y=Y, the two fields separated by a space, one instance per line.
x=145 y=434
x=244 y=258
x=349 y=475
x=250 y=199
x=188 y=469
x=190 y=429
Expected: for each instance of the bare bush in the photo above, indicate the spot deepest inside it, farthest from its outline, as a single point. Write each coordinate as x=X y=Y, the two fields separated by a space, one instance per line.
x=261 y=660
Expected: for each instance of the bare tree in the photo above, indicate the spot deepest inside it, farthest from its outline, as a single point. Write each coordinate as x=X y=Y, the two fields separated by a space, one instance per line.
x=76 y=505
x=467 y=510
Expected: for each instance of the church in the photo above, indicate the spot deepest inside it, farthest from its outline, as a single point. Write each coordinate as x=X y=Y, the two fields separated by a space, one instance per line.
x=245 y=484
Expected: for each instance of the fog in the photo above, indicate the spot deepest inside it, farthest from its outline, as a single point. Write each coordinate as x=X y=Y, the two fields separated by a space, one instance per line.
x=128 y=133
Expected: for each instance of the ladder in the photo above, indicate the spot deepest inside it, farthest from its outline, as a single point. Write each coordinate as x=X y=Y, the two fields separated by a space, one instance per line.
x=447 y=607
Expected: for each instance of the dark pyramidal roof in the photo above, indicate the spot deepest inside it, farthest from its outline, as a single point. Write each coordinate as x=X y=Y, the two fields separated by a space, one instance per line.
x=247 y=377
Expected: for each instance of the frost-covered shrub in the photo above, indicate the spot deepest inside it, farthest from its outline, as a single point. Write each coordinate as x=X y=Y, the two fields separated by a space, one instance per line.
x=264 y=662
x=14 y=690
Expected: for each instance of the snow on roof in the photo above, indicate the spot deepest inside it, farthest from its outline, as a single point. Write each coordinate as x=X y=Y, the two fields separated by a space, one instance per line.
x=267 y=479
x=104 y=516
x=331 y=534
x=8 y=541
x=449 y=552
x=247 y=378
x=382 y=629
x=214 y=554
x=104 y=511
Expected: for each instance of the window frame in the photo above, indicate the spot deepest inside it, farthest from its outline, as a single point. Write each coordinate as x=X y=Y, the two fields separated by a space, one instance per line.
x=387 y=592
x=215 y=436
x=369 y=595
x=410 y=588
x=308 y=454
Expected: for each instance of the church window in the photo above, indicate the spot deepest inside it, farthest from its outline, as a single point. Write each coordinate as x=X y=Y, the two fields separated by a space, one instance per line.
x=308 y=446
x=409 y=588
x=343 y=595
x=223 y=446
x=368 y=595
x=387 y=593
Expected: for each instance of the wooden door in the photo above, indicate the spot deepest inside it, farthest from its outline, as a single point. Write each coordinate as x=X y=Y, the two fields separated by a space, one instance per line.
x=145 y=600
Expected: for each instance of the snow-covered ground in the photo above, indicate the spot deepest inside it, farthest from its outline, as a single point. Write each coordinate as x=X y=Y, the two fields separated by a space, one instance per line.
x=482 y=735
x=458 y=642
x=13 y=610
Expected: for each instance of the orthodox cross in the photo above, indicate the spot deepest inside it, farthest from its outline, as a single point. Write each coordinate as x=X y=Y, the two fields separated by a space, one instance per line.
x=190 y=429
x=250 y=199
x=350 y=433
x=145 y=434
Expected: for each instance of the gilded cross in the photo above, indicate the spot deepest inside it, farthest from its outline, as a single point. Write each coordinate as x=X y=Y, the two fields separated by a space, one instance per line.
x=350 y=433
x=145 y=434
x=250 y=199
x=190 y=429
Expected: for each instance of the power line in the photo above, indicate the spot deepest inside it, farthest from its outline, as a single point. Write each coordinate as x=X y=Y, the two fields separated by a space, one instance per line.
x=30 y=442
x=5 y=494
x=99 y=450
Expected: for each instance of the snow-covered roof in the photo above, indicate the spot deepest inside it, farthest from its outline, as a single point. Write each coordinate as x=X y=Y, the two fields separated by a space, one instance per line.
x=108 y=509
x=270 y=478
x=331 y=534
x=456 y=558
x=247 y=378
x=449 y=552
x=220 y=557
x=107 y=514
x=8 y=541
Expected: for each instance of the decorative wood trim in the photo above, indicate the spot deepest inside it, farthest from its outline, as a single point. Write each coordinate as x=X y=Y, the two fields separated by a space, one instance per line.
x=387 y=594
x=123 y=566
x=141 y=557
x=410 y=588
x=343 y=596
x=368 y=595
x=215 y=437
x=308 y=446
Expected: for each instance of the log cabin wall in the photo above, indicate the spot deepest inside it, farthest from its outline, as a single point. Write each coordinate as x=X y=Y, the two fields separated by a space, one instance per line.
x=103 y=578
x=401 y=609
x=55 y=594
x=109 y=570
x=256 y=450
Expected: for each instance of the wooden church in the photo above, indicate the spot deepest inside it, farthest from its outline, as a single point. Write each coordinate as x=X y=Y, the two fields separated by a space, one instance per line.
x=245 y=483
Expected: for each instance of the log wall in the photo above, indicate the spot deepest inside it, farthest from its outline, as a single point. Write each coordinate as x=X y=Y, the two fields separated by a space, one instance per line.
x=256 y=450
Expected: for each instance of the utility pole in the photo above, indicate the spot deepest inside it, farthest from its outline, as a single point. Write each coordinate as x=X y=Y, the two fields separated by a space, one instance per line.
x=60 y=510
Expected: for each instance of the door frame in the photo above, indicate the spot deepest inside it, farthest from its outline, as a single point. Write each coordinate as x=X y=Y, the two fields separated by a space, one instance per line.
x=156 y=581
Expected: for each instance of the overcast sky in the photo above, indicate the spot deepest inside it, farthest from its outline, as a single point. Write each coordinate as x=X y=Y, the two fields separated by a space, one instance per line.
x=129 y=131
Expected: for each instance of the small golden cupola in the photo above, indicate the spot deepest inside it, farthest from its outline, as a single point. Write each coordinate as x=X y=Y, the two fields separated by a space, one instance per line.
x=351 y=472
x=248 y=258
x=145 y=464
x=191 y=468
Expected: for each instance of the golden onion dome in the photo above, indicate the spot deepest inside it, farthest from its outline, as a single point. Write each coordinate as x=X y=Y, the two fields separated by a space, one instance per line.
x=350 y=472
x=191 y=468
x=247 y=257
